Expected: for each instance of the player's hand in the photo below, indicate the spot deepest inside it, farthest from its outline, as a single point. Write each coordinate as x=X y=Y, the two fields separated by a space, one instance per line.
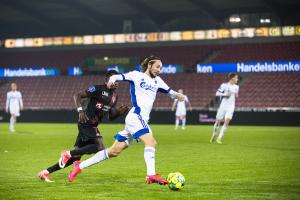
x=6 y=110
x=83 y=118
x=123 y=109
x=180 y=97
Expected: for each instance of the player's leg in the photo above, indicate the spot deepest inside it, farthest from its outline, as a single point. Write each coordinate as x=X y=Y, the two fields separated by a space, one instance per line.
x=85 y=144
x=177 y=122
x=223 y=129
x=215 y=131
x=149 y=156
x=119 y=145
x=228 y=117
x=219 y=117
x=44 y=174
x=12 y=122
x=183 y=117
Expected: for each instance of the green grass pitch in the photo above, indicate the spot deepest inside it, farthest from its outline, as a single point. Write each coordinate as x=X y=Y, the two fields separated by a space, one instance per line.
x=252 y=163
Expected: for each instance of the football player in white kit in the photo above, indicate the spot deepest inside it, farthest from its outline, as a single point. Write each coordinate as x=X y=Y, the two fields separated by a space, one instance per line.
x=228 y=92
x=143 y=88
x=14 y=104
x=181 y=110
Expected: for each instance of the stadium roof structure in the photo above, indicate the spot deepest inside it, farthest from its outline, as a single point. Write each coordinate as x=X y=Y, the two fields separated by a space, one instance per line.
x=33 y=18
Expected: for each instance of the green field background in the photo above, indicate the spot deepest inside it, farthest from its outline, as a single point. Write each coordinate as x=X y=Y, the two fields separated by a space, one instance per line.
x=252 y=163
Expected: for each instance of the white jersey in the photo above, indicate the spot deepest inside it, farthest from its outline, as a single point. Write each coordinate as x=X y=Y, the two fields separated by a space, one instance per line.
x=228 y=102
x=14 y=102
x=181 y=106
x=143 y=91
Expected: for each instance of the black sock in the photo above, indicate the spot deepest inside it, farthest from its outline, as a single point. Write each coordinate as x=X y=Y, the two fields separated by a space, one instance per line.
x=53 y=168
x=56 y=167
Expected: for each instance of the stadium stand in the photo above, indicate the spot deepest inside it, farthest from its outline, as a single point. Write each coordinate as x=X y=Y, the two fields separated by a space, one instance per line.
x=257 y=90
x=188 y=56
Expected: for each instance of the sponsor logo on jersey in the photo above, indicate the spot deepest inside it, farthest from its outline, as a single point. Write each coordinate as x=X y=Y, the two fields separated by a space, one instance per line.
x=146 y=86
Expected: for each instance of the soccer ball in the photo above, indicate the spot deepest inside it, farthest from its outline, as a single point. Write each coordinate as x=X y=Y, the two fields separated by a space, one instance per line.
x=175 y=181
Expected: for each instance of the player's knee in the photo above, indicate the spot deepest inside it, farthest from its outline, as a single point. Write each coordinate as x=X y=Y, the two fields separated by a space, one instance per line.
x=151 y=143
x=113 y=153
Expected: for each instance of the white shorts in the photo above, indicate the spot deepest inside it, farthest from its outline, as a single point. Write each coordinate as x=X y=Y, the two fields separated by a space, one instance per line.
x=14 y=111
x=135 y=127
x=180 y=112
x=225 y=113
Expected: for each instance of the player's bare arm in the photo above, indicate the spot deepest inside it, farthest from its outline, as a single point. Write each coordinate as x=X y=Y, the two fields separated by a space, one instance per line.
x=83 y=118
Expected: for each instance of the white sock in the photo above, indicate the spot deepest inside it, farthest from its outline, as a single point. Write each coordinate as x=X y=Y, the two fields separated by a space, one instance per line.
x=183 y=122
x=12 y=123
x=149 y=156
x=223 y=129
x=216 y=127
x=98 y=157
x=177 y=123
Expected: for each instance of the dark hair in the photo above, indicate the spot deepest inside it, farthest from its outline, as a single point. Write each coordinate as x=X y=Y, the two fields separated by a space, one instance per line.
x=232 y=75
x=149 y=60
x=109 y=74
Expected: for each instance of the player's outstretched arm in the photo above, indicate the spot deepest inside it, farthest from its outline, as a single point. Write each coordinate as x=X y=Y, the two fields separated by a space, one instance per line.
x=113 y=79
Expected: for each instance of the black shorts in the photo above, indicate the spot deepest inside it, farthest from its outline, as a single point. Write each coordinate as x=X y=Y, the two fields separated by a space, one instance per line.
x=86 y=131
x=98 y=142
x=88 y=134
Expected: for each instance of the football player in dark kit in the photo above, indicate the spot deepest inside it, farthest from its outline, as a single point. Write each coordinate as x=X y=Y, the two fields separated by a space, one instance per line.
x=101 y=102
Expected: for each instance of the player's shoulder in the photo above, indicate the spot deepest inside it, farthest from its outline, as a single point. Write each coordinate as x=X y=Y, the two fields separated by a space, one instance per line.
x=135 y=72
x=10 y=93
x=159 y=79
x=223 y=84
x=94 y=88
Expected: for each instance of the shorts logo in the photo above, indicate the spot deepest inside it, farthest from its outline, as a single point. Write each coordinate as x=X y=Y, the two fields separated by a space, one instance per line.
x=99 y=106
x=92 y=89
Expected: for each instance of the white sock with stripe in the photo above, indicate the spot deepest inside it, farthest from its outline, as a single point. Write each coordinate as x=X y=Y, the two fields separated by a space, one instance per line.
x=176 y=123
x=216 y=127
x=149 y=156
x=183 y=122
x=223 y=129
x=98 y=157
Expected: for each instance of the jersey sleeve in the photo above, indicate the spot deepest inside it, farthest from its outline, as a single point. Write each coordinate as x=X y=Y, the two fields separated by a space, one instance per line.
x=7 y=100
x=162 y=86
x=221 y=90
x=186 y=99
x=20 y=100
x=129 y=76
x=123 y=77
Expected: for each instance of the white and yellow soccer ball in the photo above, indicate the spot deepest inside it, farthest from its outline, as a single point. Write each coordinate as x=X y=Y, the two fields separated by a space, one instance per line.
x=176 y=181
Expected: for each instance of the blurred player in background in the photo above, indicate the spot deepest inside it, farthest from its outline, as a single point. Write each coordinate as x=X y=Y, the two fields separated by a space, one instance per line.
x=14 y=104
x=101 y=102
x=228 y=92
x=181 y=110
x=143 y=88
